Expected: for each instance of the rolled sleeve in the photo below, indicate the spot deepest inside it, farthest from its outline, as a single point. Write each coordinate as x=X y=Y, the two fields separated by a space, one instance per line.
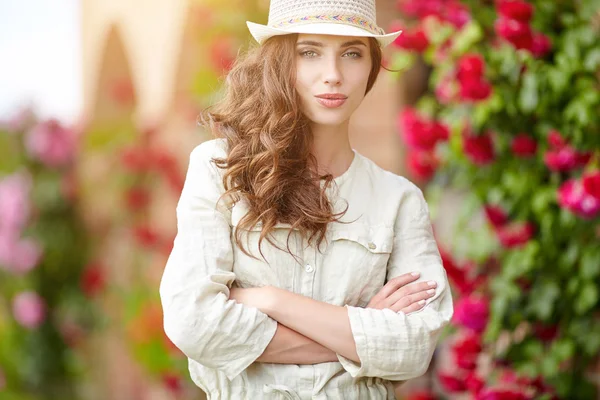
x=399 y=346
x=199 y=318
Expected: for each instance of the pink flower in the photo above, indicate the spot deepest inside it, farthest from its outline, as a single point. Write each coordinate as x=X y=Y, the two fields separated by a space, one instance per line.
x=221 y=53
x=565 y=158
x=472 y=312
x=515 y=234
x=420 y=133
x=541 y=45
x=555 y=139
x=495 y=215
x=457 y=14
x=421 y=164
x=478 y=148
x=14 y=202
x=446 y=90
x=51 y=143
x=451 y=382
x=524 y=146
x=591 y=184
x=475 y=90
x=573 y=197
x=19 y=255
x=29 y=309
x=515 y=9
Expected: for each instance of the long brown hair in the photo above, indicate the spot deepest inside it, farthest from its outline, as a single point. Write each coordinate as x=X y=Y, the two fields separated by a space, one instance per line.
x=269 y=140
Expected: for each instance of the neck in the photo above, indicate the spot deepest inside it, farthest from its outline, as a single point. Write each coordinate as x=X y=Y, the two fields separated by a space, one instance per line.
x=331 y=147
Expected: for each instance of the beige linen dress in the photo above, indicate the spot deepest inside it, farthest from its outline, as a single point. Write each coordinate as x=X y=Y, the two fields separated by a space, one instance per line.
x=390 y=234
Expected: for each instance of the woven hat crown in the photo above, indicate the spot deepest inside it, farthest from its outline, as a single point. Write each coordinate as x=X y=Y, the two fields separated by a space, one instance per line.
x=283 y=13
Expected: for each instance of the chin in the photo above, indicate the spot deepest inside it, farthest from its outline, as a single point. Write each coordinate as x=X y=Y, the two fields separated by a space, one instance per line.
x=329 y=119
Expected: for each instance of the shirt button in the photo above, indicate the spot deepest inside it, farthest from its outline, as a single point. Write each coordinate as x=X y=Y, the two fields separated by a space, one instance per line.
x=309 y=268
x=372 y=246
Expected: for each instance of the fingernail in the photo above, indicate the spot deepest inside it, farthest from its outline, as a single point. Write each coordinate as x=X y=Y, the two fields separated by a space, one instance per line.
x=431 y=291
x=432 y=283
x=421 y=302
x=415 y=273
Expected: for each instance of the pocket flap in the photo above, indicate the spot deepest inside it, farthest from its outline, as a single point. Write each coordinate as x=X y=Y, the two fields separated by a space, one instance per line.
x=377 y=239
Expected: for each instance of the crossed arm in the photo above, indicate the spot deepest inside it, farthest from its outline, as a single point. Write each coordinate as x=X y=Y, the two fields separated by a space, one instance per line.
x=311 y=331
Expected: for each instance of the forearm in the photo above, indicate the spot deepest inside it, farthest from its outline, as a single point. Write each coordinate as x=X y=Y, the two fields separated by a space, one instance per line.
x=324 y=323
x=290 y=347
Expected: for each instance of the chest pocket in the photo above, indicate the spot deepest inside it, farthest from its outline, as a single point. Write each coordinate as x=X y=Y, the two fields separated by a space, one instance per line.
x=358 y=256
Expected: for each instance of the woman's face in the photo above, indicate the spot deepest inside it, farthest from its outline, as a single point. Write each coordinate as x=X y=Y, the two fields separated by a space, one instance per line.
x=331 y=76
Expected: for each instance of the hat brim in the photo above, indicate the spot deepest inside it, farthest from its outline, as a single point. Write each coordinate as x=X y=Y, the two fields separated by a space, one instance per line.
x=263 y=32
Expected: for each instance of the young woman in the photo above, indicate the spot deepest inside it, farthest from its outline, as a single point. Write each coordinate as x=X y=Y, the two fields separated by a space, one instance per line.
x=302 y=270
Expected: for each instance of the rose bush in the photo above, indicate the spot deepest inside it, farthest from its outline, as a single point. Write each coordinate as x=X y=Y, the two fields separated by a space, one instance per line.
x=511 y=120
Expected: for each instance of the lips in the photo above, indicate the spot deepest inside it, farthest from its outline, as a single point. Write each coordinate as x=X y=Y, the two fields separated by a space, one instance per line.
x=331 y=100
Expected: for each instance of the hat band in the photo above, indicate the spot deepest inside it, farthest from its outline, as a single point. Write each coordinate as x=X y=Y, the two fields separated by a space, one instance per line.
x=332 y=18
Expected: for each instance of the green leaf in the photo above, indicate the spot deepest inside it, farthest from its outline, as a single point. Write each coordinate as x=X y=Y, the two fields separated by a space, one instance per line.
x=542 y=299
x=465 y=38
x=590 y=263
x=592 y=60
x=402 y=60
x=528 y=96
x=587 y=299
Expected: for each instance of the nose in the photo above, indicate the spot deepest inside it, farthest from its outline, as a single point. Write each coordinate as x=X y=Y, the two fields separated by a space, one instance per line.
x=332 y=74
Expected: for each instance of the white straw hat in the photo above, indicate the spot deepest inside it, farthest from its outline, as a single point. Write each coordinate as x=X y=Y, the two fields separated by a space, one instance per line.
x=329 y=17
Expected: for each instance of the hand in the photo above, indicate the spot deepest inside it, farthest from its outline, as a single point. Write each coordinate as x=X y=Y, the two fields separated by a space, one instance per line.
x=258 y=297
x=398 y=295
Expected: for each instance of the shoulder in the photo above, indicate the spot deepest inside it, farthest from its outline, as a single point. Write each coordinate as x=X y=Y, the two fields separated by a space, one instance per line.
x=205 y=151
x=394 y=185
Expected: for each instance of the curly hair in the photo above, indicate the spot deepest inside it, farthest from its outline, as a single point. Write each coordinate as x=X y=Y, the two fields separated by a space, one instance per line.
x=269 y=139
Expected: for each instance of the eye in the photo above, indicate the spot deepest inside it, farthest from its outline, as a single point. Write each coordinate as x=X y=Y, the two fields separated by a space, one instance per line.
x=353 y=54
x=308 y=53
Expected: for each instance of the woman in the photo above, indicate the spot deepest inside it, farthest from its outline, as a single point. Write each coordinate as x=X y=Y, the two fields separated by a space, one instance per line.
x=302 y=270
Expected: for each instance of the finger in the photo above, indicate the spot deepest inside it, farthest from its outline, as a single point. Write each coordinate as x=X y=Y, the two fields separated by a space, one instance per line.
x=411 y=289
x=395 y=283
x=407 y=300
x=414 y=307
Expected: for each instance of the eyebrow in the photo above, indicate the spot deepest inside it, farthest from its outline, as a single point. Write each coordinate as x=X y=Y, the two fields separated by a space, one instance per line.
x=319 y=44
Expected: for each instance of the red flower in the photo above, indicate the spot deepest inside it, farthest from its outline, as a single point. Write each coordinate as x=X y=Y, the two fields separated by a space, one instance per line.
x=541 y=45
x=421 y=395
x=418 y=132
x=479 y=149
x=414 y=39
x=555 y=139
x=466 y=351
x=474 y=383
x=470 y=66
x=457 y=14
x=515 y=234
x=500 y=394
x=136 y=159
x=573 y=196
x=495 y=215
x=452 y=383
x=422 y=164
x=591 y=184
x=515 y=9
x=524 y=146
x=93 y=280
x=472 y=312
x=545 y=333
x=173 y=383
x=221 y=53
x=146 y=236
x=516 y=32
x=136 y=198
x=475 y=90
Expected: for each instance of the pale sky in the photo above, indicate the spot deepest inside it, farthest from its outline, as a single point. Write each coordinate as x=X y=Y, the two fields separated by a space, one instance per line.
x=40 y=57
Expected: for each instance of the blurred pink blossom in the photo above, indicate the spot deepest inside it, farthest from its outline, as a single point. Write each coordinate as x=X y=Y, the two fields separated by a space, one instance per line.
x=573 y=196
x=29 y=309
x=51 y=143
x=19 y=255
x=14 y=202
x=472 y=312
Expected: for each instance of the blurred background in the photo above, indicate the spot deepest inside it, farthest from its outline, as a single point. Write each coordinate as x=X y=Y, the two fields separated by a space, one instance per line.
x=491 y=107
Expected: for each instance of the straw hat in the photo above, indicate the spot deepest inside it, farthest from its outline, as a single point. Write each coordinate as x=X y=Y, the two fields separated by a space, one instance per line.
x=329 y=17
